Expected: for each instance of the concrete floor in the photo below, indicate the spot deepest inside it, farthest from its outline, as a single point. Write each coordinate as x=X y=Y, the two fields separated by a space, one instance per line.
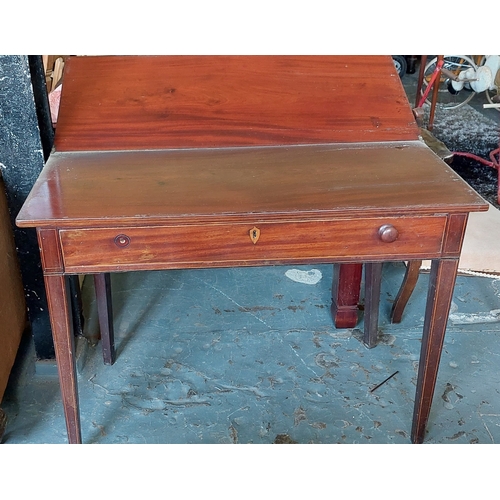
x=251 y=356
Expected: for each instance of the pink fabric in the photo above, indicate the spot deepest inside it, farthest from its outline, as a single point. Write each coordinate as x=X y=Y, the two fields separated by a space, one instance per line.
x=54 y=100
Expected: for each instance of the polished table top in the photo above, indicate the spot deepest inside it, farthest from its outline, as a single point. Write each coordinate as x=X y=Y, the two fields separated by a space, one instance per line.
x=206 y=185
x=164 y=102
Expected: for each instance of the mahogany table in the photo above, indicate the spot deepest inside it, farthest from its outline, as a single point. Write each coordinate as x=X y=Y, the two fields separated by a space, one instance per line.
x=194 y=162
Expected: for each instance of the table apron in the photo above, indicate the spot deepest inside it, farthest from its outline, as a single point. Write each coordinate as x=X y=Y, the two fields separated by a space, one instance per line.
x=249 y=244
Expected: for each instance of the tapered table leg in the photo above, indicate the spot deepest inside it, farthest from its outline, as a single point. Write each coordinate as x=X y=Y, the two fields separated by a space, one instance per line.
x=373 y=279
x=441 y=285
x=105 y=312
x=346 y=285
x=409 y=282
x=58 y=299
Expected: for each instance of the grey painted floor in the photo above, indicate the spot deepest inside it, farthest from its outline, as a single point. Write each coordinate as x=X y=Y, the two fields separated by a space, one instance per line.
x=251 y=356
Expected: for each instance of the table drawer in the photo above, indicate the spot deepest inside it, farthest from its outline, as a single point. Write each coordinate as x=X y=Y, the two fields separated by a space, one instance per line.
x=218 y=245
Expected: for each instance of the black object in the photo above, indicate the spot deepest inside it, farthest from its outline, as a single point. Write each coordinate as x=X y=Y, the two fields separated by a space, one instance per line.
x=400 y=63
x=411 y=64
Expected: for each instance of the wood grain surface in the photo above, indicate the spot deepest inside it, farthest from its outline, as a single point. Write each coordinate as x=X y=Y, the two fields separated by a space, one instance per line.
x=162 y=102
x=135 y=187
x=226 y=245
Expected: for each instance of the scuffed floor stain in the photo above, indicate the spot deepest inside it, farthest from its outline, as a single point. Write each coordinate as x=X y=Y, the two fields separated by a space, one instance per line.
x=317 y=342
x=284 y=439
x=100 y=427
x=456 y=436
x=299 y=415
x=233 y=433
x=382 y=338
x=295 y=308
x=326 y=361
x=449 y=388
x=318 y=425
x=3 y=423
x=445 y=396
x=256 y=309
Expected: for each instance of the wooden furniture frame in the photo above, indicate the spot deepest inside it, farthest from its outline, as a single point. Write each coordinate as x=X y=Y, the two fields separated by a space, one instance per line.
x=193 y=162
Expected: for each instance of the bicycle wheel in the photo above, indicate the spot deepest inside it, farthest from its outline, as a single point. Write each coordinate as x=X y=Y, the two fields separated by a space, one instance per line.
x=448 y=98
x=400 y=64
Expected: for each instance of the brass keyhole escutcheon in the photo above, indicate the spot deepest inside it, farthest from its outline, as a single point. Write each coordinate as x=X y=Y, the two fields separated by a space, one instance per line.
x=254 y=234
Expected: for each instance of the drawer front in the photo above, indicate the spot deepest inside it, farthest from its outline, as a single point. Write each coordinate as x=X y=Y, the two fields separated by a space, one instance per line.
x=219 y=245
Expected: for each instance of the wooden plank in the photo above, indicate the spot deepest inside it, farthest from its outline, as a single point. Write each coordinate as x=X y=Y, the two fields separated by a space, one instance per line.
x=217 y=184
x=159 y=102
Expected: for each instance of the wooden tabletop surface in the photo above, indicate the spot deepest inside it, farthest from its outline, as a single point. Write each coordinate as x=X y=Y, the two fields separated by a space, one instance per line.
x=164 y=102
x=312 y=181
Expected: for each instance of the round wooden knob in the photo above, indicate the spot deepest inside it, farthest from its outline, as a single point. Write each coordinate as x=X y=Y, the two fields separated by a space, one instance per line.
x=122 y=240
x=388 y=233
